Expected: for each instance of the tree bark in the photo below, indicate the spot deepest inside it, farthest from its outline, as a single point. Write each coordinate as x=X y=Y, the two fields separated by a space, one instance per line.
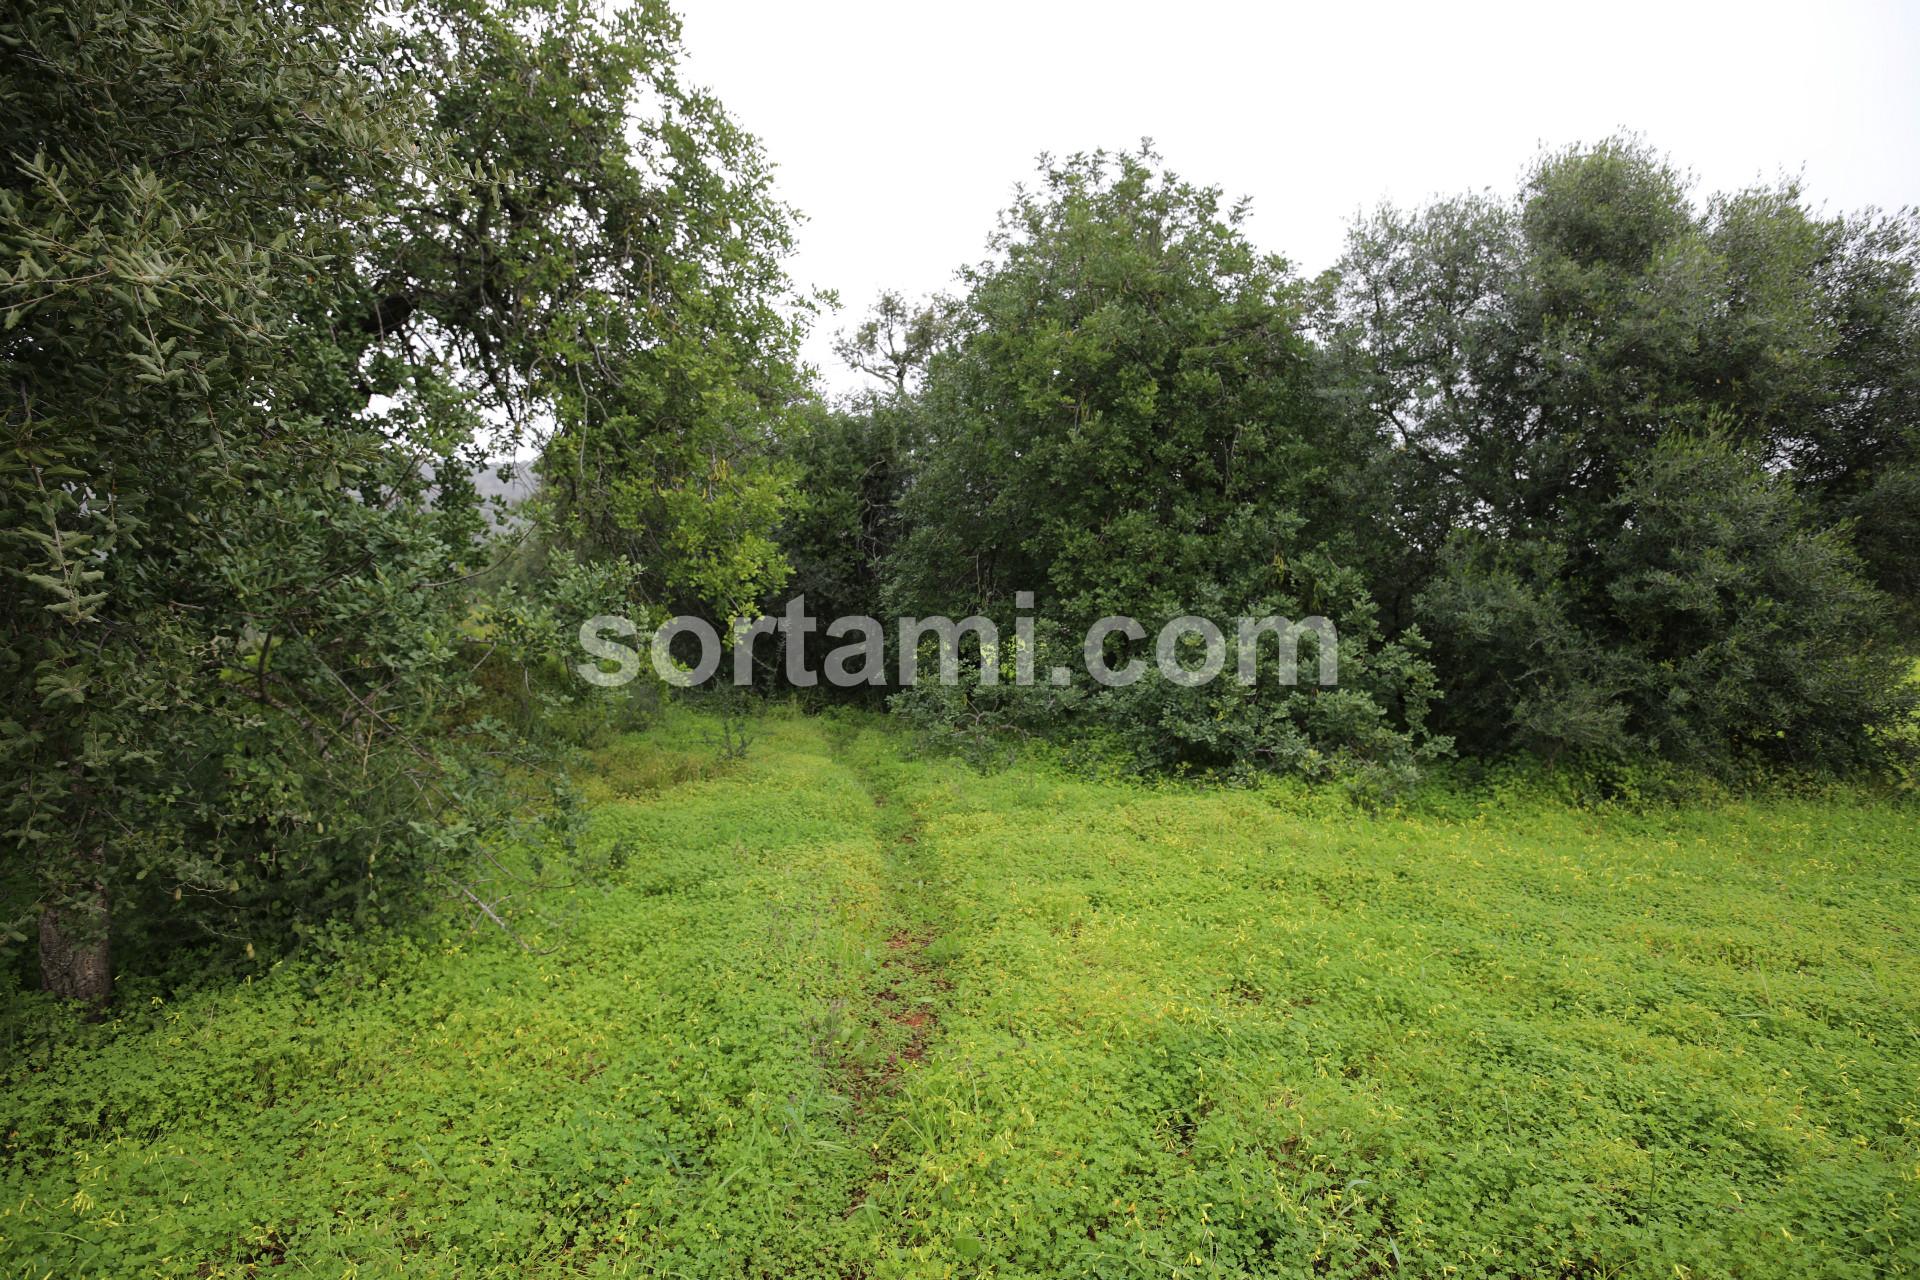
x=76 y=961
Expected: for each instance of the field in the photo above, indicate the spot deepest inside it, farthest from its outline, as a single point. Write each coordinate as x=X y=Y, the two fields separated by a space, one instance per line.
x=845 y=1012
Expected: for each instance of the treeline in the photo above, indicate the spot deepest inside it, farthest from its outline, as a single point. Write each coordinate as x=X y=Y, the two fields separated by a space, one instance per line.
x=1598 y=469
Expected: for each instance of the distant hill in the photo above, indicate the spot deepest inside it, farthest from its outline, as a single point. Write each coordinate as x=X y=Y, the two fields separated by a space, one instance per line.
x=492 y=480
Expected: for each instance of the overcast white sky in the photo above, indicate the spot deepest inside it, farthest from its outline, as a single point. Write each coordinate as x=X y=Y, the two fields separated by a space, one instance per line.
x=899 y=128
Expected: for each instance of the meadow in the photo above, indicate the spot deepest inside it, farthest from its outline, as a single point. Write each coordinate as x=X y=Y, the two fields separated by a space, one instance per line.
x=842 y=1009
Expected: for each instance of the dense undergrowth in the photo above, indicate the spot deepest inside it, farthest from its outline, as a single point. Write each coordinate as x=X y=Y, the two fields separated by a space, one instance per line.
x=835 y=1010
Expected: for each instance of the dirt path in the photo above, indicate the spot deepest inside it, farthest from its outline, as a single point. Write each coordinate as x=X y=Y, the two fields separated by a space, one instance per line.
x=903 y=1010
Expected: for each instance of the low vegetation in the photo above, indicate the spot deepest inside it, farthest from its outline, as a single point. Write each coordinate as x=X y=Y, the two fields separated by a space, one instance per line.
x=836 y=1009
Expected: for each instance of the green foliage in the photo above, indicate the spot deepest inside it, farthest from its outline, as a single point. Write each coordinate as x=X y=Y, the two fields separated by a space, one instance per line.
x=1124 y=424
x=228 y=632
x=603 y=254
x=832 y=1011
x=855 y=464
x=281 y=700
x=1760 y=625
x=1639 y=470
x=279 y=277
x=1622 y=443
x=532 y=664
x=642 y=1080
x=1714 y=624
x=894 y=341
x=1211 y=1034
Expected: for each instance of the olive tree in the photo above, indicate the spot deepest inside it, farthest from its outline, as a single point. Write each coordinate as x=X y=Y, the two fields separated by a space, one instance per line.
x=277 y=277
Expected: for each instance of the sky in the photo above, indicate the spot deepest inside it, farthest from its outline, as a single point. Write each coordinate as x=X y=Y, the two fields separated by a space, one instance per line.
x=899 y=129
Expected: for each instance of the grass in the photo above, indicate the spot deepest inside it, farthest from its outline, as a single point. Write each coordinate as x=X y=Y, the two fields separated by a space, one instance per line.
x=844 y=1013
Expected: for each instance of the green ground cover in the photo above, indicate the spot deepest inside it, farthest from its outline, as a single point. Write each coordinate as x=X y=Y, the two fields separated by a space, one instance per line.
x=844 y=1012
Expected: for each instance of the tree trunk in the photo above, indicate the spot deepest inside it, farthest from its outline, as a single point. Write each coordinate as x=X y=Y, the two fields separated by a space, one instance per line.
x=76 y=962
